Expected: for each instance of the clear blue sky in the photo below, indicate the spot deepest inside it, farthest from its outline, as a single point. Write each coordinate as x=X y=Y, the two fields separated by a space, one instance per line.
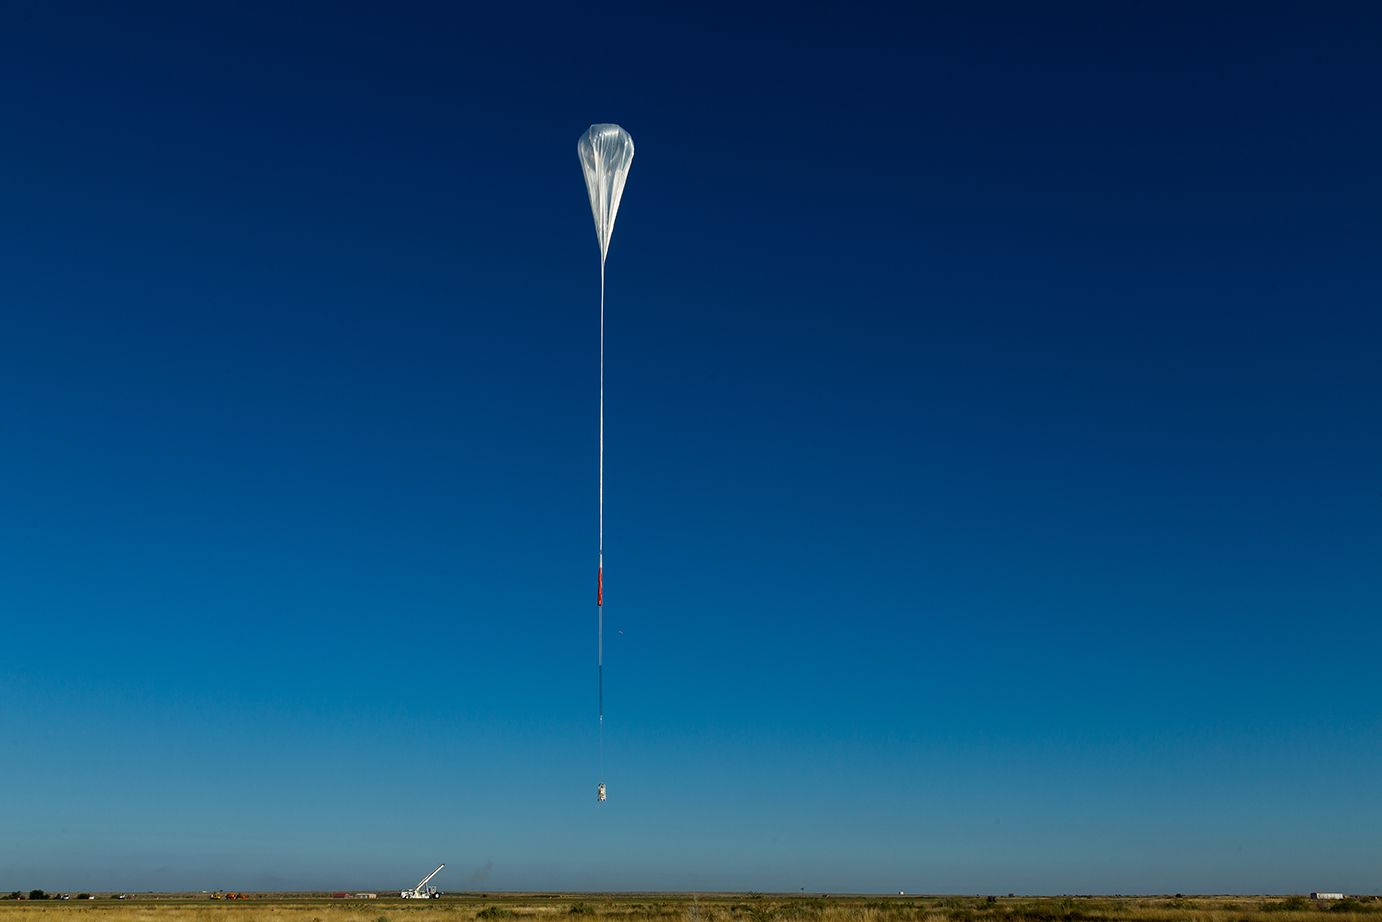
x=993 y=478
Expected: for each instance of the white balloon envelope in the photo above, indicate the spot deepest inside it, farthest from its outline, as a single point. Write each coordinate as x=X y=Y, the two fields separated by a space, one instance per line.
x=606 y=152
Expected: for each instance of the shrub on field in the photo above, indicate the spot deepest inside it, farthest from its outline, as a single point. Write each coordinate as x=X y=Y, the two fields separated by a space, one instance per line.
x=37 y=895
x=580 y=909
x=494 y=912
x=1067 y=910
x=883 y=907
x=1348 y=904
x=1292 y=904
x=766 y=912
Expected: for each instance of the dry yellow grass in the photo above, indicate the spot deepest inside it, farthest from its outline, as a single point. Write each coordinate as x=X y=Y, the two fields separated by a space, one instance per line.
x=684 y=908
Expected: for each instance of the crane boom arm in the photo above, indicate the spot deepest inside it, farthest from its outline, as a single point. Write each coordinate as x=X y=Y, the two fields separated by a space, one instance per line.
x=427 y=878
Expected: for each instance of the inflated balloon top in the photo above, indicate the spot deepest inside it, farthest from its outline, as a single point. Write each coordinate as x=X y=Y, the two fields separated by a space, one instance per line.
x=606 y=152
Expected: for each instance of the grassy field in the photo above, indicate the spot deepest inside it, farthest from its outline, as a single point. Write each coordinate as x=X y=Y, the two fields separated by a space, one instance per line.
x=514 y=907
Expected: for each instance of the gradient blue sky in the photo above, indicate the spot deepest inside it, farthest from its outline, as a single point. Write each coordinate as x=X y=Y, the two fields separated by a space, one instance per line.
x=993 y=479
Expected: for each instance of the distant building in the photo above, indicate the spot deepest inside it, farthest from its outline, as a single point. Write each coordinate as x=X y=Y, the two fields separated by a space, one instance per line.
x=365 y=896
x=1326 y=896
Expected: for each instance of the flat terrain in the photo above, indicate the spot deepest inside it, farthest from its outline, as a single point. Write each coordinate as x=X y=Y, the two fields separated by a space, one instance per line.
x=678 y=907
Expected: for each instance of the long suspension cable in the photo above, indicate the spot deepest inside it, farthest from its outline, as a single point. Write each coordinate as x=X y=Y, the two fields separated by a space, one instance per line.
x=600 y=584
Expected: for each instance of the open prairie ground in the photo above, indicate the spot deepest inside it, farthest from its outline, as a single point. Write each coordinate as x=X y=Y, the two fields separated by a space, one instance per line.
x=675 y=907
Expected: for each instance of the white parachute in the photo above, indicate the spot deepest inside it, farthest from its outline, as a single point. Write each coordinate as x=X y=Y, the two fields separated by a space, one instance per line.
x=606 y=152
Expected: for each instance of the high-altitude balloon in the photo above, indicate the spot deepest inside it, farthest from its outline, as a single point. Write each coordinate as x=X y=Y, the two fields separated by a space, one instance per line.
x=606 y=152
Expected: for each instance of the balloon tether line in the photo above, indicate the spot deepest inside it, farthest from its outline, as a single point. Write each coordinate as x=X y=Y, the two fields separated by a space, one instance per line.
x=600 y=592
